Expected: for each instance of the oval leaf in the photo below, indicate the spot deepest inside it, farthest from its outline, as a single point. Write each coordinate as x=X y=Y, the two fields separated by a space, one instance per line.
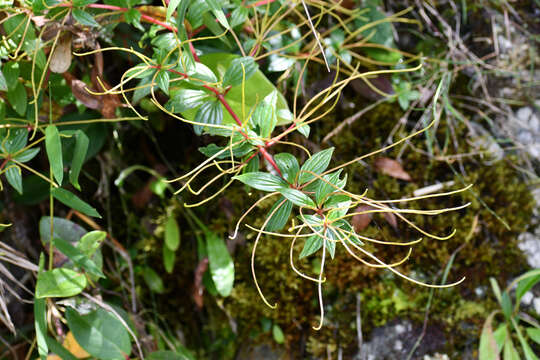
x=221 y=264
x=172 y=234
x=59 y=283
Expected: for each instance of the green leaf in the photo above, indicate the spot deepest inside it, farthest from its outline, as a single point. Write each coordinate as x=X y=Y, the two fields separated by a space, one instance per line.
x=79 y=156
x=506 y=305
x=262 y=181
x=3 y=83
x=180 y=354
x=169 y=257
x=172 y=234
x=277 y=333
x=13 y=176
x=53 y=146
x=297 y=197
x=381 y=33
x=91 y=241
x=529 y=354
x=84 y=18
x=288 y=165
x=259 y=87
x=528 y=280
x=325 y=188
x=59 y=282
x=18 y=99
x=173 y=4
x=221 y=264
x=186 y=99
x=27 y=155
x=304 y=129
x=11 y=73
x=316 y=164
x=81 y=3
x=62 y=228
x=240 y=69
x=218 y=13
x=312 y=245
x=78 y=257
x=264 y=117
x=68 y=198
x=281 y=216
x=510 y=352
x=534 y=334
x=252 y=165
x=488 y=347
x=162 y=80
x=239 y=16
x=331 y=238
x=153 y=280
x=15 y=141
x=210 y=112
x=100 y=333
x=40 y=323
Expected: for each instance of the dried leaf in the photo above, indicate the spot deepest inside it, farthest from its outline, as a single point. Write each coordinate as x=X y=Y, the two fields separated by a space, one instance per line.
x=392 y=168
x=61 y=57
x=78 y=88
x=361 y=221
x=73 y=347
x=198 y=288
x=391 y=219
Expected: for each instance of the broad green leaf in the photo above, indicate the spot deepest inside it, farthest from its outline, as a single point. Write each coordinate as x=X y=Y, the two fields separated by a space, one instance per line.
x=11 y=71
x=173 y=4
x=315 y=164
x=83 y=17
x=380 y=33
x=81 y=3
x=488 y=347
x=18 y=99
x=79 y=156
x=238 y=16
x=59 y=282
x=534 y=334
x=288 y=165
x=297 y=197
x=73 y=201
x=221 y=264
x=281 y=216
x=210 y=112
x=259 y=87
x=15 y=141
x=62 y=228
x=312 y=245
x=325 y=188
x=162 y=80
x=262 y=181
x=91 y=241
x=239 y=150
x=265 y=119
x=53 y=145
x=27 y=155
x=277 y=333
x=185 y=99
x=172 y=234
x=252 y=165
x=100 y=333
x=153 y=280
x=78 y=257
x=13 y=177
x=40 y=323
x=240 y=69
x=169 y=257
x=140 y=71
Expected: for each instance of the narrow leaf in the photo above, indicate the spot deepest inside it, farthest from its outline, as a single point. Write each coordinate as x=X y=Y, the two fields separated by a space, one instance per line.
x=40 y=323
x=280 y=216
x=312 y=245
x=68 y=198
x=78 y=257
x=172 y=234
x=79 y=155
x=169 y=257
x=84 y=18
x=297 y=197
x=53 y=145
